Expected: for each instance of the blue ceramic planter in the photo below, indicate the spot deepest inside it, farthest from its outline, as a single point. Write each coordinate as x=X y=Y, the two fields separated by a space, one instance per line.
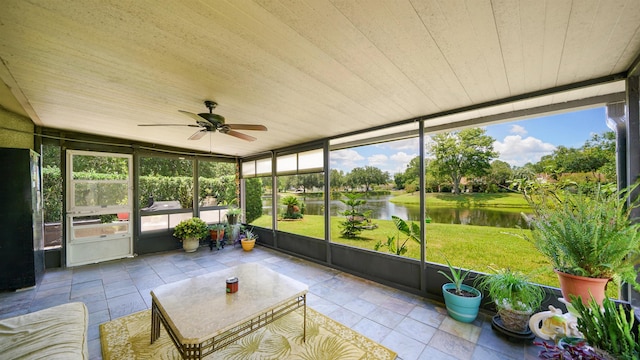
x=464 y=309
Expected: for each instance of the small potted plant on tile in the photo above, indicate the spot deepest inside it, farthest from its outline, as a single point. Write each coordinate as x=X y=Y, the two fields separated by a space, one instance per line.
x=462 y=301
x=515 y=297
x=216 y=231
x=249 y=240
x=190 y=232
x=233 y=214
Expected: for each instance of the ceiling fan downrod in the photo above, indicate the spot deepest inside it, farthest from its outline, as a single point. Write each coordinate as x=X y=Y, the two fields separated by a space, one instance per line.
x=210 y=105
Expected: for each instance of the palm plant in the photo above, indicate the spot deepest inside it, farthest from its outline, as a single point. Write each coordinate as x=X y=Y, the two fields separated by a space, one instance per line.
x=293 y=207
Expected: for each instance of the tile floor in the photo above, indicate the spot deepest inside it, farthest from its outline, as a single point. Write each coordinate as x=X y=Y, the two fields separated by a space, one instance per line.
x=414 y=327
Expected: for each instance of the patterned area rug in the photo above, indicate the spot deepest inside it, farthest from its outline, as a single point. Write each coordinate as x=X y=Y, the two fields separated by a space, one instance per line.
x=128 y=338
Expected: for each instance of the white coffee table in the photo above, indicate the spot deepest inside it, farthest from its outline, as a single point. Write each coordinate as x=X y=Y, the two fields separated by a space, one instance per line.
x=200 y=317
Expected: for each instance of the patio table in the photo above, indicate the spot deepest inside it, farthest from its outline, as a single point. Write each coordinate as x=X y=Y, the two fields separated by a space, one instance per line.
x=201 y=317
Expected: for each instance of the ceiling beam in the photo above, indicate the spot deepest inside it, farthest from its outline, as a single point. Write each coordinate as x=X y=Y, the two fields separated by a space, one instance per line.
x=634 y=69
x=532 y=112
x=10 y=81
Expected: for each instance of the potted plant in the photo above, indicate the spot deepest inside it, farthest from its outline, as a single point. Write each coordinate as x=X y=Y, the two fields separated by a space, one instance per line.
x=190 y=232
x=249 y=240
x=294 y=208
x=589 y=239
x=515 y=297
x=608 y=328
x=216 y=231
x=233 y=233
x=233 y=214
x=462 y=301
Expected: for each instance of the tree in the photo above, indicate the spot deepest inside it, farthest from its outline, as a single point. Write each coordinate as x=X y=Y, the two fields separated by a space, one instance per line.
x=597 y=156
x=499 y=175
x=309 y=181
x=410 y=180
x=462 y=153
x=253 y=210
x=356 y=218
x=367 y=176
x=152 y=165
x=215 y=169
x=399 y=180
x=527 y=172
x=413 y=170
x=432 y=178
x=410 y=176
x=286 y=183
x=603 y=148
x=337 y=179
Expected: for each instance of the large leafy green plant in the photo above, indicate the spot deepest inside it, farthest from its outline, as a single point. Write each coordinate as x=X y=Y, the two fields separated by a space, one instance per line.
x=395 y=244
x=191 y=228
x=584 y=234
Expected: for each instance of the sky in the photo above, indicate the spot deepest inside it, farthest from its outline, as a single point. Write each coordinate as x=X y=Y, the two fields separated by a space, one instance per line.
x=517 y=142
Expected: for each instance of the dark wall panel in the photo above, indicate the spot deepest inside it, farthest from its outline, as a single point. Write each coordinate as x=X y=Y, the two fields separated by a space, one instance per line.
x=387 y=269
x=307 y=247
x=156 y=242
x=265 y=236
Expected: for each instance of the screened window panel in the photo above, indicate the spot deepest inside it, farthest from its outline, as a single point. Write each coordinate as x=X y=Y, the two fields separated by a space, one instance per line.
x=263 y=167
x=287 y=164
x=248 y=169
x=311 y=161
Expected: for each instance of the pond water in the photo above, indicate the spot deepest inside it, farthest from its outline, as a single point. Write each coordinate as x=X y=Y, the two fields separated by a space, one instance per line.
x=381 y=208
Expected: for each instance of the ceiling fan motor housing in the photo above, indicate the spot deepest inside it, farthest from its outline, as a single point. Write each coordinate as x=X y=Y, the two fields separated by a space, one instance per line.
x=215 y=119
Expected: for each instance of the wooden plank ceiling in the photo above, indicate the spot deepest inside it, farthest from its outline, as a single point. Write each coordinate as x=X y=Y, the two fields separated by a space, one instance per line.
x=306 y=69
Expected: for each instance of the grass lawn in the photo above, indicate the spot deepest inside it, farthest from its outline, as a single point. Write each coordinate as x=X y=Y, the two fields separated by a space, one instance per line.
x=468 y=246
x=493 y=200
x=474 y=247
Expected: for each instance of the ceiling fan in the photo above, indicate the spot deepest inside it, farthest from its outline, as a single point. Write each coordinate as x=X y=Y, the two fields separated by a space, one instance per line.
x=212 y=122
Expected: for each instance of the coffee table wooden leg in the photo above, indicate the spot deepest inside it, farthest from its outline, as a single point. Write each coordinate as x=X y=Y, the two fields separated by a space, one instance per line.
x=304 y=326
x=155 y=322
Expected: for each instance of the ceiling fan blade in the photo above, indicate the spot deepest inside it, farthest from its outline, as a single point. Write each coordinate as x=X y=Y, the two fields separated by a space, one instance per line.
x=190 y=125
x=192 y=115
x=240 y=135
x=198 y=134
x=247 y=127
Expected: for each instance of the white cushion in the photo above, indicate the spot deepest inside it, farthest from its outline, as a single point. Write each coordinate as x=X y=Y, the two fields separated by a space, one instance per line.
x=59 y=332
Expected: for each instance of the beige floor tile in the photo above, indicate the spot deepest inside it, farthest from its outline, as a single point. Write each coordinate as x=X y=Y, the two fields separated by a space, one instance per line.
x=469 y=332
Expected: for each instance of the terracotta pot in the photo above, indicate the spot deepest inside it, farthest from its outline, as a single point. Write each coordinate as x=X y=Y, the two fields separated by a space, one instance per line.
x=583 y=287
x=214 y=234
